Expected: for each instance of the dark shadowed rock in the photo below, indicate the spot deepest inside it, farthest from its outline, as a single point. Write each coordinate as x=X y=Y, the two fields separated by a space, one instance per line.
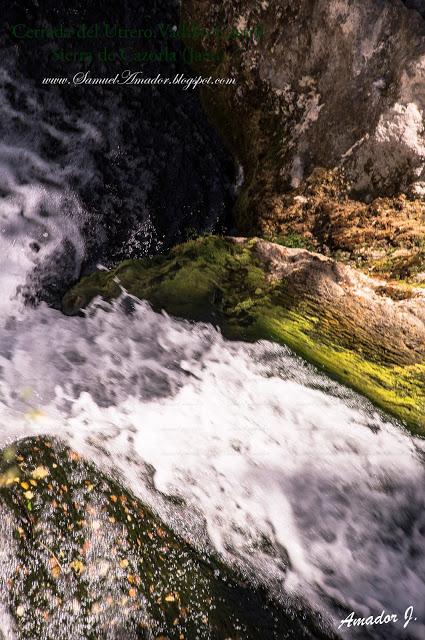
x=86 y=560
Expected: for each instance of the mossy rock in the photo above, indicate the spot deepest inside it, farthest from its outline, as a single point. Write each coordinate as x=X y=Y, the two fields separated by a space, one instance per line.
x=87 y=560
x=227 y=283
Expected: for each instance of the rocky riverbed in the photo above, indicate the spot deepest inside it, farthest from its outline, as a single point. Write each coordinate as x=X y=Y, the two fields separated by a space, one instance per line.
x=179 y=458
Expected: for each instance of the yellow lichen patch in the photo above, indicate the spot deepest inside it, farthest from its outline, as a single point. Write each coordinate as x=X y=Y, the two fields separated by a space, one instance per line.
x=40 y=473
x=8 y=477
x=77 y=566
x=55 y=568
x=171 y=597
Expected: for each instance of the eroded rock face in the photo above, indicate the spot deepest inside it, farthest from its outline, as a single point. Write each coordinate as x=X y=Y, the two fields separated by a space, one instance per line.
x=388 y=317
x=347 y=80
x=333 y=84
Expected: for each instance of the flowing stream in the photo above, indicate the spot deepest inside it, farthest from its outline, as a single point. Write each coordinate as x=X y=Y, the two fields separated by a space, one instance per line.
x=290 y=477
x=257 y=444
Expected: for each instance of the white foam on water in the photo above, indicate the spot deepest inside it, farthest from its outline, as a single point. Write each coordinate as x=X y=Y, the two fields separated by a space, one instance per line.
x=289 y=476
x=40 y=211
x=26 y=239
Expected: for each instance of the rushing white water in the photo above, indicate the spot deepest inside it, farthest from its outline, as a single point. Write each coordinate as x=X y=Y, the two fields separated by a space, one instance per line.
x=45 y=152
x=76 y=175
x=288 y=475
x=259 y=446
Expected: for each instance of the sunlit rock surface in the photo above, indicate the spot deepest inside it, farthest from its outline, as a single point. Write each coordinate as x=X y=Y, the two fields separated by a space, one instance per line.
x=329 y=93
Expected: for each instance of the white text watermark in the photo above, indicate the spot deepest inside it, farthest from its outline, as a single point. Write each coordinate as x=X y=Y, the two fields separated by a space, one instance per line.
x=129 y=77
x=383 y=618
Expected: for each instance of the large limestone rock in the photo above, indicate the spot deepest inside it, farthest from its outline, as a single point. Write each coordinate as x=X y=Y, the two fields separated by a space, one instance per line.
x=334 y=85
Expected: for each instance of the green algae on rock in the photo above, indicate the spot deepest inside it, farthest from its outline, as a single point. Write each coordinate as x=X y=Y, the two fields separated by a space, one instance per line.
x=359 y=330
x=87 y=560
